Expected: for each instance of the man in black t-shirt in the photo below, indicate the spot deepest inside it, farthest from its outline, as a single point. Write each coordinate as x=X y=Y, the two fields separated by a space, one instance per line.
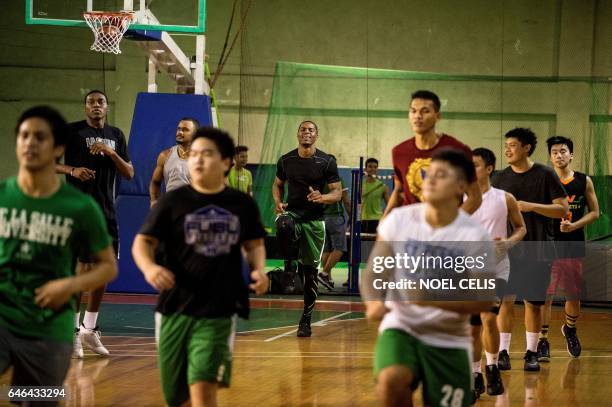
x=541 y=198
x=95 y=153
x=569 y=233
x=299 y=224
x=204 y=283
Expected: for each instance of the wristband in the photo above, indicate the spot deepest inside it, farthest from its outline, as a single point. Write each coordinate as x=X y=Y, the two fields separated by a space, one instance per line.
x=71 y=171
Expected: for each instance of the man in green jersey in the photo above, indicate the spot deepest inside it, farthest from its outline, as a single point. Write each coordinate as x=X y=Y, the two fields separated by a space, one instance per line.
x=373 y=192
x=239 y=177
x=43 y=224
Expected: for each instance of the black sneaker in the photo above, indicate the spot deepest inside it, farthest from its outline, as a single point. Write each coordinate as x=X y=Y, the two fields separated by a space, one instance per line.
x=479 y=386
x=573 y=344
x=475 y=397
x=531 y=362
x=495 y=386
x=503 y=360
x=304 y=330
x=326 y=281
x=543 y=350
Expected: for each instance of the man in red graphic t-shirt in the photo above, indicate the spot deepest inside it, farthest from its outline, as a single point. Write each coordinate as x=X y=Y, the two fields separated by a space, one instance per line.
x=412 y=157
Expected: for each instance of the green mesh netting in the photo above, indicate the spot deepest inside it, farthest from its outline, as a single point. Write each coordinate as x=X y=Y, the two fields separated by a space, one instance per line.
x=363 y=112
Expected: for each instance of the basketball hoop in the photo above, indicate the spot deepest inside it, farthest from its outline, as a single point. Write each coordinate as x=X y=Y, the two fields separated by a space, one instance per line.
x=108 y=29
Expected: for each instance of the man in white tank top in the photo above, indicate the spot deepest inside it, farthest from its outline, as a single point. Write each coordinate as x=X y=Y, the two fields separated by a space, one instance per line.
x=497 y=208
x=172 y=162
x=172 y=168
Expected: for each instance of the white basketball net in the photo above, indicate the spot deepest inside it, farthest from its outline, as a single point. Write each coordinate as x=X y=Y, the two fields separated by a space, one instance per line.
x=108 y=29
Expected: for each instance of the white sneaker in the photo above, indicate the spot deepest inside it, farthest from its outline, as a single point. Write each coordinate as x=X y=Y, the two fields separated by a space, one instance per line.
x=77 y=346
x=91 y=339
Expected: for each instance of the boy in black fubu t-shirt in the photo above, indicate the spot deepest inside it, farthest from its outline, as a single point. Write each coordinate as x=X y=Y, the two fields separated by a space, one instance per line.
x=203 y=227
x=541 y=198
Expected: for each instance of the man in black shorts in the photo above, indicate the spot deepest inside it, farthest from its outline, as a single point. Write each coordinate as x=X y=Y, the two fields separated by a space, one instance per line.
x=204 y=227
x=95 y=153
x=43 y=222
x=541 y=198
x=299 y=222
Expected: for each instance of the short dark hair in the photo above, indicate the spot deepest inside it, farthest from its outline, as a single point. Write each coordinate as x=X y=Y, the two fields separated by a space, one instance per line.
x=487 y=156
x=371 y=160
x=525 y=136
x=91 y=92
x=560 y=140
x=241 y=149
x=457 y=159
x=195 y=121
x=223 y=141
x=427 y=95
x=57 y=123
x=308 y=121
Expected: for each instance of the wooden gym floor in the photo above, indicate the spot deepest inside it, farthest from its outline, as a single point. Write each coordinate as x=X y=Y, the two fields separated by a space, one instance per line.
x=332 y=368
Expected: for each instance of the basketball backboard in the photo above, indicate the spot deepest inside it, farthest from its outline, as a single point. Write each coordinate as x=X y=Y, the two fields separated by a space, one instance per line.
x=174 y=16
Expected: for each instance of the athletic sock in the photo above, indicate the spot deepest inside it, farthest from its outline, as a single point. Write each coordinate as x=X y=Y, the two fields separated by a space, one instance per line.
x=491 y=358
x=310 y=289
x=544 y=332
x=476 y=367
x=532 y=341
x=570 y=320
x=504 y=341
x=77 y=319
x=90 y=319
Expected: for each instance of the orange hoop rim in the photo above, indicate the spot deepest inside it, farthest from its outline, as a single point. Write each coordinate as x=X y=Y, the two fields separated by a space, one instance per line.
x=124 y=14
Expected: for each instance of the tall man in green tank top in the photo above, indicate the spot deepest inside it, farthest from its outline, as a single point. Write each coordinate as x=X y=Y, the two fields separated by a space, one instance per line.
x=43 y=225
x=373 y=191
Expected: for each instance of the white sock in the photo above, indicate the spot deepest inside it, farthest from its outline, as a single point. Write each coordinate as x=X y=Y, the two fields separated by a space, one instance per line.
x=158 y=321
x=491 y=358
x=476 y=367
x=504 y=341
x=90 y=319
x=77 y=319
x=532 y=340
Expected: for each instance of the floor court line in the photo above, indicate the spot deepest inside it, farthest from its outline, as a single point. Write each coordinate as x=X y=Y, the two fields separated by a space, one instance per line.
x=318 y=323
x=276 y=356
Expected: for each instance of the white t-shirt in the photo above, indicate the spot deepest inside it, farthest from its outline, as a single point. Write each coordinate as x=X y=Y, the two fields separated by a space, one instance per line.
x=431 y=325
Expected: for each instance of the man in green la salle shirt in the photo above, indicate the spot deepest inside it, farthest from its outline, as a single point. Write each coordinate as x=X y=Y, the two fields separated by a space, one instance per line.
x=373 y=192
x=43 y=225
x=239 y=177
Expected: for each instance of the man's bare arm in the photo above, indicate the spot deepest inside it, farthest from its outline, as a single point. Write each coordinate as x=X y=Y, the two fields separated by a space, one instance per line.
x=474 y=198
x=519 y=230
x=278 y=188
x=557 y=209
x=158 y=177
x=396 y=197
x=592 y=204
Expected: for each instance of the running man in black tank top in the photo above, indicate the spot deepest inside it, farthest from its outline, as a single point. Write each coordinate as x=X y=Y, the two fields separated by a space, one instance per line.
x=566 y=273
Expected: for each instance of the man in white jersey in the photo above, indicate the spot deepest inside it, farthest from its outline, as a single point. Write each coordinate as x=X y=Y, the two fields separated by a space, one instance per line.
x=172 y=162
x=497 y=208
x=426 y=341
